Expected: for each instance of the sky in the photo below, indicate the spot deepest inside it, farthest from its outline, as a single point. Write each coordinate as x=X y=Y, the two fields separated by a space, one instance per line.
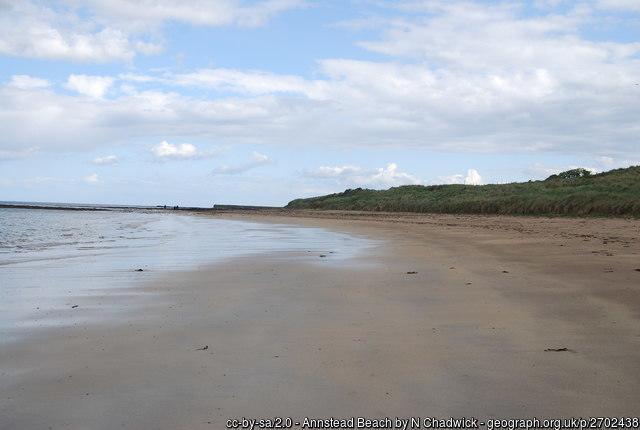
x=196 y=102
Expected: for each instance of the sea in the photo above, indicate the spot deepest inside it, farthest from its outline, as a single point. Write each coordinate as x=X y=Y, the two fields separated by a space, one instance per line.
x=52 y=258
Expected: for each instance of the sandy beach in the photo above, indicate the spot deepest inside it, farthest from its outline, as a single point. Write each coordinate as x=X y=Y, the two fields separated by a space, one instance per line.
x=493 y=317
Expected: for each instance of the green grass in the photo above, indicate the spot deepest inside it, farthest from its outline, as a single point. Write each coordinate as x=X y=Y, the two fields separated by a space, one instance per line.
x=571 y=193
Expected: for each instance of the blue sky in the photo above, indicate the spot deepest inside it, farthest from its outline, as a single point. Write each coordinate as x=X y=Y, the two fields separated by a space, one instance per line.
x=201 y=102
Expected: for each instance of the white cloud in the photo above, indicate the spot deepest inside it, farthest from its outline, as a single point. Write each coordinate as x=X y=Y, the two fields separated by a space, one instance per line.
x=182 y=151
x=26 y=82
x=249 y=82
x=92 y=178
x=389 y=176
x=456 y=78
x=252 y=82
x=166 y=150
x=30 y=29
x=115 y=30
x=106 y=160
x=473 y=177
x=257 y=160
x=92 y=86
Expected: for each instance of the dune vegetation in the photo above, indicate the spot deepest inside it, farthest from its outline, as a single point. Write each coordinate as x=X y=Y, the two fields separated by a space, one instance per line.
x=575 y=192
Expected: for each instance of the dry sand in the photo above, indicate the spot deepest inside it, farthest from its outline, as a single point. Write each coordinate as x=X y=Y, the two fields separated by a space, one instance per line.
x=301 y=335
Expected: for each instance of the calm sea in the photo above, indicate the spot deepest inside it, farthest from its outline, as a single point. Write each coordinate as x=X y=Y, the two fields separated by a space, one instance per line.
x=51 y=258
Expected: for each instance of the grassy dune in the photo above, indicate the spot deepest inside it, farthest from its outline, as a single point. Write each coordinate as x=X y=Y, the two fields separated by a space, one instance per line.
x=573 y=193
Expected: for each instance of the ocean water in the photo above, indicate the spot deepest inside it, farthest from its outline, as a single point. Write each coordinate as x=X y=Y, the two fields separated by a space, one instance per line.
x=50 y=259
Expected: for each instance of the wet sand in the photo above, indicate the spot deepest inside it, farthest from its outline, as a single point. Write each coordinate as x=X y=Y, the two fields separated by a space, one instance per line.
x=297 y=334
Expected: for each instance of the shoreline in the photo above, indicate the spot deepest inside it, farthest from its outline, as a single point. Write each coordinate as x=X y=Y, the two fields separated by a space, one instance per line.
x=275 y=211
x=609 y=231
x=469 y=334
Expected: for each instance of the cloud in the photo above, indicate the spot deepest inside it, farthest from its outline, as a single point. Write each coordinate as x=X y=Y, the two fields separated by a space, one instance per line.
x=249 y=82
x=473 y=177
x=450 y=76
x=182 y=151
x=166 y=150
x=105 y=161
x=115 y=30
x=92 y=178
x=385 y=177
x=29 y=29
x=388 y=176
x=257 y=160
x=26 y=82
x=252 y=82
x=92 y=86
